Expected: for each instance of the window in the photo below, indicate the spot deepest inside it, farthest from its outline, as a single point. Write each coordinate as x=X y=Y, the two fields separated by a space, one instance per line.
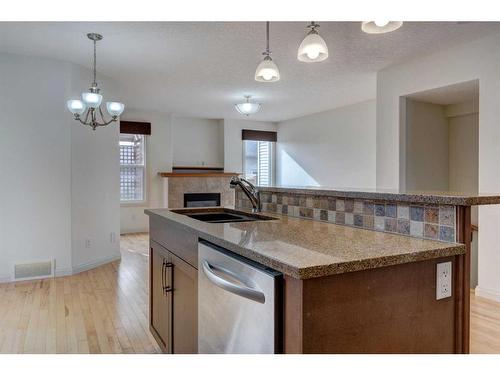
x=132 y=168
x=258 y=162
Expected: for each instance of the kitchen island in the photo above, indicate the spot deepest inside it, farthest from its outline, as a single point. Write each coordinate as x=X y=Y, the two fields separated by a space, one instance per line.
x=346 y=290
x=360 y=268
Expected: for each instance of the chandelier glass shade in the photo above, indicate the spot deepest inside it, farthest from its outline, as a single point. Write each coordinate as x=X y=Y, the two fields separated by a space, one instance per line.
x=313 y=48
x=380 y=27
x=247 y=108
x=88 y=110
x=267 y=70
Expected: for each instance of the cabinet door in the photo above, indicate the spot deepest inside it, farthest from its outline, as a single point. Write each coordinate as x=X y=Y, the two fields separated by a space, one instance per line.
x=185 y=306
x=160 y=298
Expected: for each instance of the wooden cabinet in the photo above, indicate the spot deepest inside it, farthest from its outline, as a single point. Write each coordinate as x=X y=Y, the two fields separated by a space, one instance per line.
x=185 y=307
x=173 y=301
x=160 y=298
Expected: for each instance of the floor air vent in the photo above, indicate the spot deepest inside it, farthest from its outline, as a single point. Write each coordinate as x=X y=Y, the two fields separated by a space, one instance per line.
x=32 y=270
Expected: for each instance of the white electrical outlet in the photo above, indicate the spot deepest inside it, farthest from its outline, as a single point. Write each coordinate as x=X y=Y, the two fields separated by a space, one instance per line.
x=87 y=244
x=443 y=280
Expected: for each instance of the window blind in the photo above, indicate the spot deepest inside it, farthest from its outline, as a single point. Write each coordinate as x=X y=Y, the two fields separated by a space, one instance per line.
x=264 y=163
x=258 y=135
x=135 y=127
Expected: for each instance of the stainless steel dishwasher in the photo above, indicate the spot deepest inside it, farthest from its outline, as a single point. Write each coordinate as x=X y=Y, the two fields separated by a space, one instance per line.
x=239 y=304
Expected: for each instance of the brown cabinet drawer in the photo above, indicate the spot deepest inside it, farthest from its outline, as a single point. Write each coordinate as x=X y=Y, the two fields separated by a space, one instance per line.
x=177 y=240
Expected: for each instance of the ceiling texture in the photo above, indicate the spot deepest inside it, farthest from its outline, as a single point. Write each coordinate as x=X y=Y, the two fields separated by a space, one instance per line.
x=201 y=69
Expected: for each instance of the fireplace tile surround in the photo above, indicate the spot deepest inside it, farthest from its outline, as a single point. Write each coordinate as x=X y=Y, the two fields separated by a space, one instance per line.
x=175 y=187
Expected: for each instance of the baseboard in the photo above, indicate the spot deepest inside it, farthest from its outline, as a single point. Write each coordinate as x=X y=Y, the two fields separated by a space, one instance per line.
x=95 y=263
x=58 y=273
x=63 y=272
x=5 y=279
x=135 y=231
x=70 y=271
x=487 y=293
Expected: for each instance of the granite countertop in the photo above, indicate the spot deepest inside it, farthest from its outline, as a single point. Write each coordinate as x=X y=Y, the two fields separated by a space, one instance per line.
x=428 y=197
x=307 y=249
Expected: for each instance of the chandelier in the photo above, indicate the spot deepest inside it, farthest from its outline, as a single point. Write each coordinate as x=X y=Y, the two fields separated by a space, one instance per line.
x=88 y=110
x=247 y=108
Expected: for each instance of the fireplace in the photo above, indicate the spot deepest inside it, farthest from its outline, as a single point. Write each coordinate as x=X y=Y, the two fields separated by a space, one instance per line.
x=201 y=199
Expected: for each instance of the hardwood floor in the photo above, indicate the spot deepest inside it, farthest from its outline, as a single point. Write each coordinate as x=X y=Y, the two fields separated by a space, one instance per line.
x=484 y=325
x=105 y=310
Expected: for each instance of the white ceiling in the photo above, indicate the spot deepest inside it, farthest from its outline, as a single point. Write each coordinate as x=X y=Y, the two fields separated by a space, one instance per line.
x=452 y=94
x=202 y=69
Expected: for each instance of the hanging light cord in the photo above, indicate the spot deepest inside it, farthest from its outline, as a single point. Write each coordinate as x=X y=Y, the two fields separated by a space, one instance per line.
x=95 y=58
x=267 y=38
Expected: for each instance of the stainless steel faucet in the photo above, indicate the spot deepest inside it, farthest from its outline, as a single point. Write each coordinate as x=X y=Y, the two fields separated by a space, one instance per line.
x=250 y=191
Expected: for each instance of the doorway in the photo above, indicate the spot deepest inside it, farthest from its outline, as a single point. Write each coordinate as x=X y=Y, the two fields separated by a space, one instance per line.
x=442 y=145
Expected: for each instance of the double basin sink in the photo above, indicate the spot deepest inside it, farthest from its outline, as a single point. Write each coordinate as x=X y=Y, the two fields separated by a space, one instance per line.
x=222 y=215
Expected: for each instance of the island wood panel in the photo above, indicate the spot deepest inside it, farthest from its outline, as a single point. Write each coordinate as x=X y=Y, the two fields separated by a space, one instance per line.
x=464 y=235
x=384 y=310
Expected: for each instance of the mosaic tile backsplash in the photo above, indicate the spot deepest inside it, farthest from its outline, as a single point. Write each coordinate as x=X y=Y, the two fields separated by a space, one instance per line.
x=435 y=222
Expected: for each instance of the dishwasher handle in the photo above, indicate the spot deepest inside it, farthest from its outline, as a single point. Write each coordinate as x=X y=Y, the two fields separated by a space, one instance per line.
x=242 y=291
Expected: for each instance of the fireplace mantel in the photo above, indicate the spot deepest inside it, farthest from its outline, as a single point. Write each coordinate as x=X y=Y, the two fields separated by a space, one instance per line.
x=200 y=174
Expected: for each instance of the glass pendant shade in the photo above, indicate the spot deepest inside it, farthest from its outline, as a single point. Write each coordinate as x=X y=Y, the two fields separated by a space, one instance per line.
x=267 y=71
x=115 y=108
x=92 y=99
x=247 y=108
x=313 y=48
x=76 y=107
x=380 y=27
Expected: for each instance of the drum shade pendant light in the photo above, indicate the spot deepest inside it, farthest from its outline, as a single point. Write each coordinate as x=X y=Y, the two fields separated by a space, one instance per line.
x=247 y=108
x=90 y=106
x=267 y=71
x=380 y=27
x=313 y=48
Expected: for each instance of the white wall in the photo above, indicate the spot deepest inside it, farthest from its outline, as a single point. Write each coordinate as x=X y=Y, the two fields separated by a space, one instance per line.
x=197 y=142
x=158 y=159
x=35 y=149
x=464 y=153
x=426 y=147
x=475 y=60
x=233 y=145
x=334 y=148
x=95 y=186
x=59 y=179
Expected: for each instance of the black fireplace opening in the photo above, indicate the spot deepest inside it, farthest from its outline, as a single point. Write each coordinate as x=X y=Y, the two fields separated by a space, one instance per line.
x=201 y=199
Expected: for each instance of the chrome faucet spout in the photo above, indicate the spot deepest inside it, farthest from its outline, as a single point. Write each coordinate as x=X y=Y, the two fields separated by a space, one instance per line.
x=250 y=191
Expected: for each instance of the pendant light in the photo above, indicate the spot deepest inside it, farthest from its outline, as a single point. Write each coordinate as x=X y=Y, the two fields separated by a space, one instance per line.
x=89 y=108
x=247 y=108
x=380 y=27
x=313 y=48
x=267 y=71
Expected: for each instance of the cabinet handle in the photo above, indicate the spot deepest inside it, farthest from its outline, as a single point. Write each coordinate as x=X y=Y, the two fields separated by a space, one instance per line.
x=163 y=275
x=167 y=289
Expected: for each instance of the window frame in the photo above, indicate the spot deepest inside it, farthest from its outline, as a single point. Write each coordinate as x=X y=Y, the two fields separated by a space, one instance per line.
x=272 y=169
x=144 y=201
